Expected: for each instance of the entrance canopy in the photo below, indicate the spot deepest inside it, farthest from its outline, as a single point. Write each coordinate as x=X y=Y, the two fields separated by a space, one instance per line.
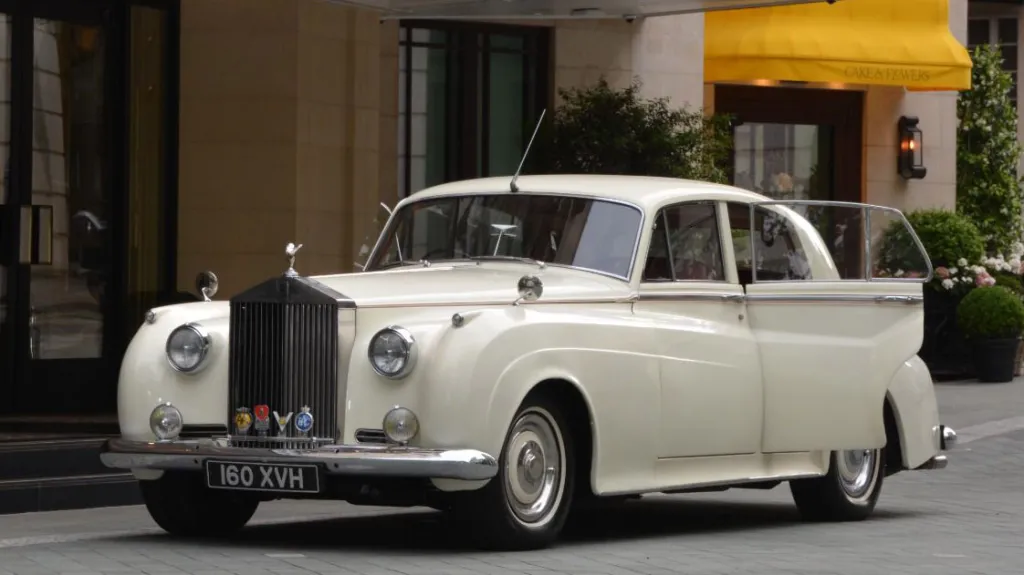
x=553 y=9
x=891 y=42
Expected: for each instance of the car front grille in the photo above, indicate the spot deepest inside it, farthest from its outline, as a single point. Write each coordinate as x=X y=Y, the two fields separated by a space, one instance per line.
x=284 y=354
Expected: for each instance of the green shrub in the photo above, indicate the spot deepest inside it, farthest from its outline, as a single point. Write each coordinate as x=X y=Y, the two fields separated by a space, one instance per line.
x=990 y=313
x=988 y=187
x=947 y=237
x=602 y=130
x=1008 y=280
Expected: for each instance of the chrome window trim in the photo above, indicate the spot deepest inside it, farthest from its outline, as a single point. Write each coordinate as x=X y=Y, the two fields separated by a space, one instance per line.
x=782 y=298
x=853 y=298
x=636 y=241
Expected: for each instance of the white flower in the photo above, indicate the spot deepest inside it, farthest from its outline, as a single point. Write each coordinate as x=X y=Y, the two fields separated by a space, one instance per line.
x=899 y=273
x=962 y=262
x=953 y=270
x=947 y=283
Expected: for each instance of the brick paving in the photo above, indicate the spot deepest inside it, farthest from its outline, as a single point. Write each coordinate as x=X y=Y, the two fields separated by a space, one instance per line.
x=965 y=519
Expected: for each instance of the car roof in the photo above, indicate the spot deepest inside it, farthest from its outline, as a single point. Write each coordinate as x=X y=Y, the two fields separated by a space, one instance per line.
x=645 y=191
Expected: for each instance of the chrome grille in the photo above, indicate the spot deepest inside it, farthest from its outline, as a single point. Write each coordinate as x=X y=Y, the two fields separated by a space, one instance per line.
x=284 y=354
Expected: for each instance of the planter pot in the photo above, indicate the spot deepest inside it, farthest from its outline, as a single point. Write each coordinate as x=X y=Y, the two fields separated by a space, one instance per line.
x=944 y=349
x=995 y=359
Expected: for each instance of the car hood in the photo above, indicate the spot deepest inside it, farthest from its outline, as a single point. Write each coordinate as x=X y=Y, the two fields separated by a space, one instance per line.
x=469 y=283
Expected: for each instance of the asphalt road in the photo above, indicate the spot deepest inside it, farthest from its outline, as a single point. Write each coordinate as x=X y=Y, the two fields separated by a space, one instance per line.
x=965 y=519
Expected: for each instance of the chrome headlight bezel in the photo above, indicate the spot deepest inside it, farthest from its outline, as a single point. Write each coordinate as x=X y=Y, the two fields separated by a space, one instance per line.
x=204 y=347
x=407 y=341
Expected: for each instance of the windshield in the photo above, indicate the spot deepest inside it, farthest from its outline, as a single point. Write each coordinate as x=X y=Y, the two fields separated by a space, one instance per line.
x=580 y=232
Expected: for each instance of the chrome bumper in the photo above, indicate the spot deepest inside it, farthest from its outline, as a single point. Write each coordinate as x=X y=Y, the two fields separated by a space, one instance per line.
x=947 y=439
x=370 y=460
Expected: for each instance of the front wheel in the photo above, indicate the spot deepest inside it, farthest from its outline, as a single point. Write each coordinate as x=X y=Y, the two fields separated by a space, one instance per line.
x=526 y=504
x=848 y=492
x=182 y=505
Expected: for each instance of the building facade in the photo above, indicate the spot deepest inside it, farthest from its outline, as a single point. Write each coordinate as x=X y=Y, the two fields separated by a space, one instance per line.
x=147 y=140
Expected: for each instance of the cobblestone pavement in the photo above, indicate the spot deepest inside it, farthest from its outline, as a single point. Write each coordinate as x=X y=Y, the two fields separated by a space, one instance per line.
x=964 y=519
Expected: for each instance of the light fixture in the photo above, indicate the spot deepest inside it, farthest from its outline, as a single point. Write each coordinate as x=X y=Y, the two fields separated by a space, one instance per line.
x=910 y=161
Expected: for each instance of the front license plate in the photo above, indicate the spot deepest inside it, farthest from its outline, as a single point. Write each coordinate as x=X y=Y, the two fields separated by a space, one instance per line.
x=276 y=477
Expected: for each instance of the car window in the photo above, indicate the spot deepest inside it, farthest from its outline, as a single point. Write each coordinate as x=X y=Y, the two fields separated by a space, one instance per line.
x=581 y=232
x=775 y=252
x=685 y=245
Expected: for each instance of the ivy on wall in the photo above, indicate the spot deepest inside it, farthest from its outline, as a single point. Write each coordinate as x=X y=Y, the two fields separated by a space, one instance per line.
x=988 y=184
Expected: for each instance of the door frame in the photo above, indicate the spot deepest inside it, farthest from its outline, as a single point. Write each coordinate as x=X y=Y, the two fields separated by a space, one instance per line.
x=842 y=110
x=88 y=385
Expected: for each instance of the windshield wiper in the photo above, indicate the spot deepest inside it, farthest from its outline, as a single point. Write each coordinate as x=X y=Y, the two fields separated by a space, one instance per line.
x=537 y=263
x=403 y=263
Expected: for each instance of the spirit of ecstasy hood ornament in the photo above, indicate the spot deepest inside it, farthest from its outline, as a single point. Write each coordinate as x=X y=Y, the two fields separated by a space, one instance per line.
x=289 y=251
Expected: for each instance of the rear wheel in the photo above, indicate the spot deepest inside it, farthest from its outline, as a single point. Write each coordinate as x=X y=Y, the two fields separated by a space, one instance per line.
x=181 y=504
x=526 y=504
x=848 y=492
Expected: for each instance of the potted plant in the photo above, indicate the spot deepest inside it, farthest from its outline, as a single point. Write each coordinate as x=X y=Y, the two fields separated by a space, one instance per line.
x=992 y=318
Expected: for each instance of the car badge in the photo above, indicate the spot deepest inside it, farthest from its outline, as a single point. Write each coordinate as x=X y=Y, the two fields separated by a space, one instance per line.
x=282 y=423
x=243 y=421
x=262 y=423
x=304 y=420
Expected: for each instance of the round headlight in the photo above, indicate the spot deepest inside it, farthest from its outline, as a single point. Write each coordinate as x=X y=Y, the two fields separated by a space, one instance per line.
x=393 y=352
x=400 y=425
x=187 y=347
x=165 y=421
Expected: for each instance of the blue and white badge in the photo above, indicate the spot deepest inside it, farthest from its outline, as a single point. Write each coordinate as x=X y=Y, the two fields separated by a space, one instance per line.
x=304 y=420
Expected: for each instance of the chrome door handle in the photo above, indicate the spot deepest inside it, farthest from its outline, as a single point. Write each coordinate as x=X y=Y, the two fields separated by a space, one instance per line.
x=733 y=297
x=894 y=299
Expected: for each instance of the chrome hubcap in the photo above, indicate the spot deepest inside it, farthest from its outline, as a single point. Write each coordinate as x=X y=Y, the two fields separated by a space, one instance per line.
x=534 y=465
x=857 y=471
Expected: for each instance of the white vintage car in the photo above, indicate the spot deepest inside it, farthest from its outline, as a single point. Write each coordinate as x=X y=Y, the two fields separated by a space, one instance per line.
x=510 y=350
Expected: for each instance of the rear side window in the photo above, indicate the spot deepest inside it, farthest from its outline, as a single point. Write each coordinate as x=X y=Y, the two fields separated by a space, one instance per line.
x=686 y=245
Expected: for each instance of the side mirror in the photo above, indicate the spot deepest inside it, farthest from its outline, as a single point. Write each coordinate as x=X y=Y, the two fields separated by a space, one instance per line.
x=530 y=289
x=206 y=284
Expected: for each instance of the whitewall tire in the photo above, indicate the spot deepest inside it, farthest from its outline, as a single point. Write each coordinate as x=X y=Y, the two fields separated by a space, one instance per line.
x=848 y=492
x=526 y=504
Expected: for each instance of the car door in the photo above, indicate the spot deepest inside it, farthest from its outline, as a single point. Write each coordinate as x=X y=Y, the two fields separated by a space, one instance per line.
x=711 y=394
x=829 y=345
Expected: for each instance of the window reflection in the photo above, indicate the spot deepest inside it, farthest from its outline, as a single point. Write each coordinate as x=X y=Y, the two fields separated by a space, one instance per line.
x=581 y=232
x=68 y=174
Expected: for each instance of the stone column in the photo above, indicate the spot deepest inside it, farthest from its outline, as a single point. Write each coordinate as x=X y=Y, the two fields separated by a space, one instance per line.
x=279 y=137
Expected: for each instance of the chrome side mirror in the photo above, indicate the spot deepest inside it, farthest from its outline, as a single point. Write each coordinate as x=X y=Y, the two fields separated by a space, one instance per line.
x=206 y=284
x=530 y=289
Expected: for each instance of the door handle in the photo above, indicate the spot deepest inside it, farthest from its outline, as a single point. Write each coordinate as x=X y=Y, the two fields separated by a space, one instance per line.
x=734 y=298
x=36 y=242
x=895 y=299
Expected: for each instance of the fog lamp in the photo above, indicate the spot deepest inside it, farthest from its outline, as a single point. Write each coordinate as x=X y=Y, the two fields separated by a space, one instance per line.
x=165 y=421
x=400 y=425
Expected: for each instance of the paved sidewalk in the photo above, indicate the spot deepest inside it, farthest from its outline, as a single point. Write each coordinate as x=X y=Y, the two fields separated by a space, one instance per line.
x=965 y=519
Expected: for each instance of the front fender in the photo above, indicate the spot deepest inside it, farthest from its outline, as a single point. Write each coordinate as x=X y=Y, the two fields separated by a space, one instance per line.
x=499 y=356
x=146 y=379
x=916 y=411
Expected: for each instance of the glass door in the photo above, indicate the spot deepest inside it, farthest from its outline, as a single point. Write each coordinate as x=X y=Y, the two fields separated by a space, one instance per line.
x=70 y=174
x=58 y=199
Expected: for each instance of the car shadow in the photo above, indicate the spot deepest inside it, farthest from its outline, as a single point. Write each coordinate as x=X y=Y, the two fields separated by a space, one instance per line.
x=433 y=532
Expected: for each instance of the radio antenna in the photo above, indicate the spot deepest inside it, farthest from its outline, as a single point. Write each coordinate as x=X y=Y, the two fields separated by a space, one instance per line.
x=512 y=185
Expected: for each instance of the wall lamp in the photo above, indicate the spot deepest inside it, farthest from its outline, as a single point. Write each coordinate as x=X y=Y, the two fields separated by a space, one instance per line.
x=910 y=162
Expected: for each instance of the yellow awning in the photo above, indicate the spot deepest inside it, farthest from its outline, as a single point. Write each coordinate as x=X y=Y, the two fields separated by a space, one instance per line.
x=892 y=42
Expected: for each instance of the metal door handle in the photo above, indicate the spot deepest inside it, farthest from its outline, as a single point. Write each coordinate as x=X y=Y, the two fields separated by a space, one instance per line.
x=894 y=299
x=733 y=297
